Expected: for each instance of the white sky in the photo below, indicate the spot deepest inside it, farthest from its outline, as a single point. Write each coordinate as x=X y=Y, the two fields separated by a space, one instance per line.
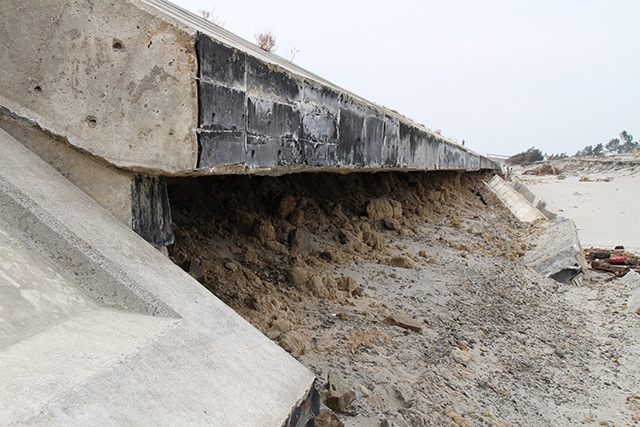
x=504 y=75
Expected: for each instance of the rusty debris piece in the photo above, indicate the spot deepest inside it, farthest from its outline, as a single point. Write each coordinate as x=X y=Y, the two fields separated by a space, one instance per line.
x=603 y=265
x=616 y=261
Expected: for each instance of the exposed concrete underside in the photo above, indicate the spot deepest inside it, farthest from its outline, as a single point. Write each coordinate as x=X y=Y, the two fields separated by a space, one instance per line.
x=147 y=86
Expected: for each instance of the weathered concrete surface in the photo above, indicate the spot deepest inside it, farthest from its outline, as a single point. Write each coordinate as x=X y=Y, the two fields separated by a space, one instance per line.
x=114 y=78
x=264 y=116
x=556 y=251
x=145 y=85
x=514 y=201
x=100 y=328
x=107 y=185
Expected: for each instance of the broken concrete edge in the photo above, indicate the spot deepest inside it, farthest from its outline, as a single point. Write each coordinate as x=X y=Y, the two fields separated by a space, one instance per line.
x=537 y=201
x=305 y=410
x=120 y=270
x=229 y=169
x=138 y=200
x=556 y=252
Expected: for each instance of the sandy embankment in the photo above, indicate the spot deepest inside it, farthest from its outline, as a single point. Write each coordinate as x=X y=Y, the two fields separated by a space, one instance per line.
x=602 y=198
x=326 y=265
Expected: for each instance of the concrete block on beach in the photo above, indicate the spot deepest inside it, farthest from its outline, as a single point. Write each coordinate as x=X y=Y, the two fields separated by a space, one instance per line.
x=557 y=252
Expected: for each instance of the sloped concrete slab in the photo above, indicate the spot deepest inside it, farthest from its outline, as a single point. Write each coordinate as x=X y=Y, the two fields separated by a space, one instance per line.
x=535 y=200
x=148 y=345
x=40 y=369
x=514 y=201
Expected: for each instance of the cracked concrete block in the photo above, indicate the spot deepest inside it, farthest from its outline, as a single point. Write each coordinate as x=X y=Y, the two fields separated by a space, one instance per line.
x=557 y=252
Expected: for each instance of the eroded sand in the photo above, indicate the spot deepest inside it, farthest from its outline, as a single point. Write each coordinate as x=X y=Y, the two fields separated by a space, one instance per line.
x=307 y=261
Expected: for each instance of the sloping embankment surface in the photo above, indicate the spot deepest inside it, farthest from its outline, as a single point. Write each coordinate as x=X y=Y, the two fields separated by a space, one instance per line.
x=329 y=265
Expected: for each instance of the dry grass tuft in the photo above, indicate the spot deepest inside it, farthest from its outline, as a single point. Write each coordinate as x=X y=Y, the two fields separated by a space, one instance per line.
x=209 y=16
x=266 y=41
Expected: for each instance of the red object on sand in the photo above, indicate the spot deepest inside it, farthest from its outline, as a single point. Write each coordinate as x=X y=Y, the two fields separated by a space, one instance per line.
x=618 y=259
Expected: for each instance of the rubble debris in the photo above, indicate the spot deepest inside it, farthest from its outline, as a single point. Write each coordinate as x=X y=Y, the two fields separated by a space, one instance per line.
x=327 y=418
x=618 y=270
x=401 y=261
x=520 y=317
x=195 y=269
x=619 y=259
x=615 y=261
x=462 y=356
x=404 y=321
x=339 y=395
x=545 y=169
x=295 y=343
x=298 y=276
x=383 y=209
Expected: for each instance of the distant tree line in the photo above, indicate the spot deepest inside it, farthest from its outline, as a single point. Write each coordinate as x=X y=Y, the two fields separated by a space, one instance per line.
x=622 y=145
x=532 y=155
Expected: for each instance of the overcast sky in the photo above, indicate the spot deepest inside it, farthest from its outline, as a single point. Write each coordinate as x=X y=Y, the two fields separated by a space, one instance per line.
x=504 y=75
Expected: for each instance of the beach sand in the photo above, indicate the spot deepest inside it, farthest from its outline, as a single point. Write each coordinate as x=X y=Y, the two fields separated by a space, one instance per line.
x=602 y=198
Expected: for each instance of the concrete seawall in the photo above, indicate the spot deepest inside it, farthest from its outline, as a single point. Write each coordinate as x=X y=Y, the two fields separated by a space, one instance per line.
x=104 y=101
x=149 y=87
